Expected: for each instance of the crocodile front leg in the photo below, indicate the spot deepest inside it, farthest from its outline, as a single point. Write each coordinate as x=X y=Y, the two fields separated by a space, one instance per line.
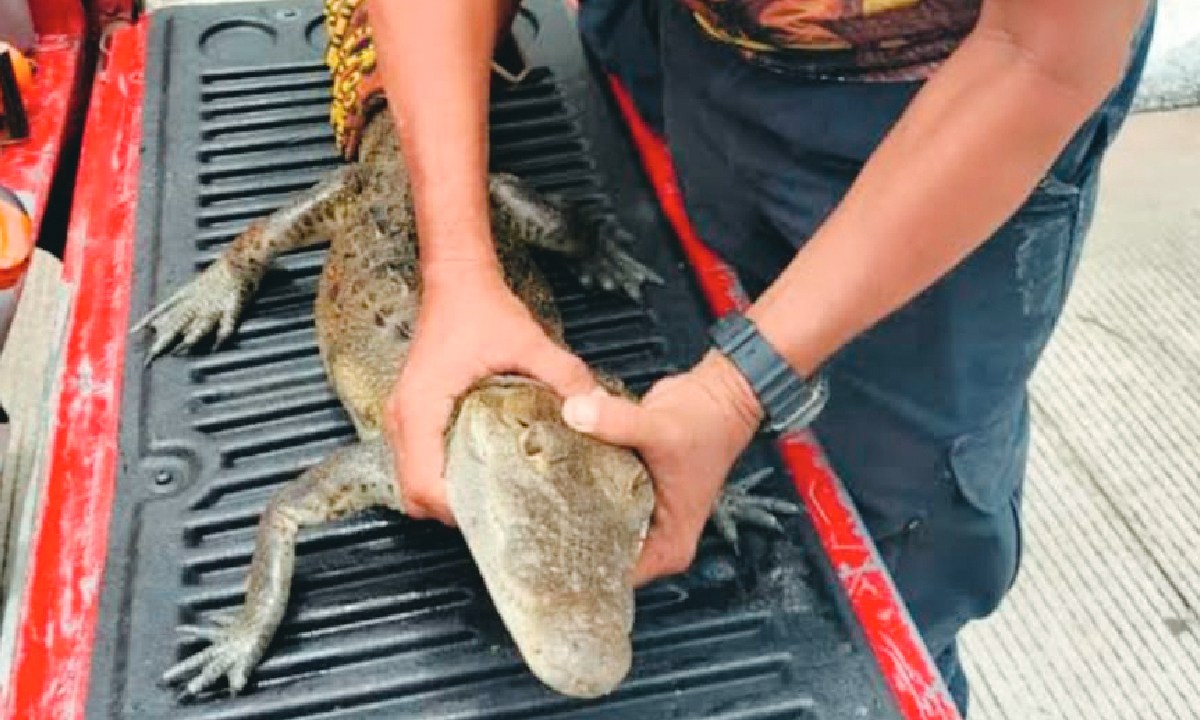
x=738 y=505
x=216 y=297
x=352 y=479
x=548 y=222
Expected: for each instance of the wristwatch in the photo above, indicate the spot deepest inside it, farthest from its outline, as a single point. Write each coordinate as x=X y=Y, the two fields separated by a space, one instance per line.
x=789 y=401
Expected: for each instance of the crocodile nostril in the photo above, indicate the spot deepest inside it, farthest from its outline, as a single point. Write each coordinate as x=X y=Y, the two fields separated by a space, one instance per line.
x=531 y=441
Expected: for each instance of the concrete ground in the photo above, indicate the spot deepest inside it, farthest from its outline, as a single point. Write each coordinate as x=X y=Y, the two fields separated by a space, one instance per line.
x=1172 y=79
x=1103 y=622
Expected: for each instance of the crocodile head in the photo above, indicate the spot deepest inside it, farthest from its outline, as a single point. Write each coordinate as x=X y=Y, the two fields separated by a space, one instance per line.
x=555 y=521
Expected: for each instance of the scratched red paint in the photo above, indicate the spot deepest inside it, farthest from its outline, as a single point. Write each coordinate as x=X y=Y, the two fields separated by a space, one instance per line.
x=54 y=646
x=905 y=663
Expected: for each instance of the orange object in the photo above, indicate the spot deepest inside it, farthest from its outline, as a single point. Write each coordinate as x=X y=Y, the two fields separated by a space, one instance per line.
x=16 y=240
x=22 y=66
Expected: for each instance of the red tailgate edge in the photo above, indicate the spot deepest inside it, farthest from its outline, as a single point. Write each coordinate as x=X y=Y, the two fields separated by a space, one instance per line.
x=902 y=656
x=54 y=644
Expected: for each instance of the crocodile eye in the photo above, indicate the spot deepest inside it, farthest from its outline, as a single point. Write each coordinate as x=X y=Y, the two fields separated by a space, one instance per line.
x=639 y=479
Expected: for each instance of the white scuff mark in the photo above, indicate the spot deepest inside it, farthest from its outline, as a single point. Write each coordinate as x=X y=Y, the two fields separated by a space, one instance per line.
x=78 y=585
x=114 y=352
x=88 y=392
x=931 y=696
x=862 y=579
x=815 y=508
x=115 y=158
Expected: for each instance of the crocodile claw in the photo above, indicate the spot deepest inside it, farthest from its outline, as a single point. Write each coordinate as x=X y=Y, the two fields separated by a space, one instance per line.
x=234 y=651
x=612 y=268
x=211 y=301
x=738 y=505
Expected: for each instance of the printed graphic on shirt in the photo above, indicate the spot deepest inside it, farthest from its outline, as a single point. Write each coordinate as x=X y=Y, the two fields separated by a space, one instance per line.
x=861 y=39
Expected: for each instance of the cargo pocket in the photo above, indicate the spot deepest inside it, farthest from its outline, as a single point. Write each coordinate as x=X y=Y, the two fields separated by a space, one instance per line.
x=987 y=465
x=988 y=469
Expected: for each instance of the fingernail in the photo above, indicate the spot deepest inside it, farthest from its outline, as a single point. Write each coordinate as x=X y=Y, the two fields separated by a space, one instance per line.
x=581 y=413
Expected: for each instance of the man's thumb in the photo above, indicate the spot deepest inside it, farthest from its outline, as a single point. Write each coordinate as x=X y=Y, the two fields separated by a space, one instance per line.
x=650 y=563
x=611 y=419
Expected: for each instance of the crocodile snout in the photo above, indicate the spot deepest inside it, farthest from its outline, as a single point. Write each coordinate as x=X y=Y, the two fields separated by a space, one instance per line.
x=582 y=665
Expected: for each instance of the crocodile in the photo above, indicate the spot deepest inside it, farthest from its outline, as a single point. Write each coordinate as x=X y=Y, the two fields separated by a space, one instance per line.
x=553 y=518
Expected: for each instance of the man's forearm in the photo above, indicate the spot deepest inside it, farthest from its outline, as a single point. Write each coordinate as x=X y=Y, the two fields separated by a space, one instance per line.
x=436 y=59
x=962 y=158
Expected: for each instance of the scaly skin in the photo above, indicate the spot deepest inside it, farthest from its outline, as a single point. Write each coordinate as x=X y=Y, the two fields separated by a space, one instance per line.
x=554 y=519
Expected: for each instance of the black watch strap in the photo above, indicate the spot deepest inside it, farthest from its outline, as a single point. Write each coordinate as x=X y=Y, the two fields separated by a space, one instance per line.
x=789 y=401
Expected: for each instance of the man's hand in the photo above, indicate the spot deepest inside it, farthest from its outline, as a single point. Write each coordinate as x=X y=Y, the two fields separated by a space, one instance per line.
x=689 y=430
x=470 y=326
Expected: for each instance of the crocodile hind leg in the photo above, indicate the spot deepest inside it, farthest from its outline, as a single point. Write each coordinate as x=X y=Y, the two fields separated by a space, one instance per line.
x=738 y=505
x=363 y=389
x=594 y=246
x=352 y=479
x=216 y=297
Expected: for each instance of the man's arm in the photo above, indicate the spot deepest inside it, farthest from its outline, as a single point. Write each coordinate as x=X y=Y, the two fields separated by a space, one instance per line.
x=436 y=59
x=983 y=131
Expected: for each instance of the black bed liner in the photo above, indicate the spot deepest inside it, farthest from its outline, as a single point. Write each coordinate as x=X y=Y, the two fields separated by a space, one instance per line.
x=388 y=617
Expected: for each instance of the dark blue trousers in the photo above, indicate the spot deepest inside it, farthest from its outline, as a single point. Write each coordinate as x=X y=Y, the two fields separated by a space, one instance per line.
x=928 y=421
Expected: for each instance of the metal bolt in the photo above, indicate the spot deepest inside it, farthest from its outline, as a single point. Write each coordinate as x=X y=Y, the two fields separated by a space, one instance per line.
x=163 y=477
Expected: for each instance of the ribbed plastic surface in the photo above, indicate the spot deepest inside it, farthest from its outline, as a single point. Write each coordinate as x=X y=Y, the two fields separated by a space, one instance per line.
x=388 y=617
